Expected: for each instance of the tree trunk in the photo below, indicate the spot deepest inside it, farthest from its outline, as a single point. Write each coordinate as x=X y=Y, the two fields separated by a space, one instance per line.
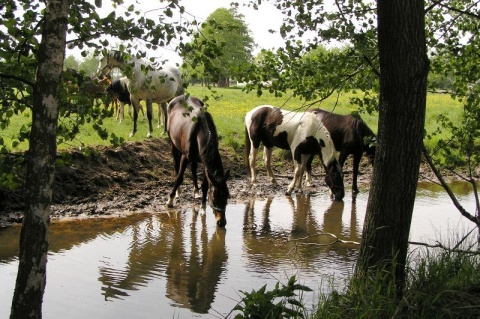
x=31 y=277
x=403 y=76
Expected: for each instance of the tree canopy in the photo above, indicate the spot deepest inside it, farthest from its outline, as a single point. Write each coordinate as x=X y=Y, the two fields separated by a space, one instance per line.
x=231 y=50
x=301 y=67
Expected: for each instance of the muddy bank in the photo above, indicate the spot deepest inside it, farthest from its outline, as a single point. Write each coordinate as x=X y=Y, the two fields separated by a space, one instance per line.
x=138 y=176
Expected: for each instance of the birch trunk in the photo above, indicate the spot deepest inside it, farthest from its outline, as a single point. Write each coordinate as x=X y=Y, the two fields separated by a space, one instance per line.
x=31 y=277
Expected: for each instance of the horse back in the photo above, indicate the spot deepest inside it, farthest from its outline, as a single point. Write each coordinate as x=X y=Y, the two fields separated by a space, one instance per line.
x=263 y=126
x=348 y=132
x=183 y=123
x=159 y=85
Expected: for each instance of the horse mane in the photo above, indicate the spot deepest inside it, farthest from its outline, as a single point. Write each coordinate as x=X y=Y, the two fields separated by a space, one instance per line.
x=117 y=55
x=209 y=150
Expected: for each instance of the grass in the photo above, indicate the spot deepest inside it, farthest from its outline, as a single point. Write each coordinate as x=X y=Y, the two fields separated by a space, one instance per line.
x=441 y=285
x=228 y=107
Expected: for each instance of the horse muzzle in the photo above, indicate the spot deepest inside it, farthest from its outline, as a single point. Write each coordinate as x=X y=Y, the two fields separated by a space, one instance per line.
x=339 y=194
x=220 y=217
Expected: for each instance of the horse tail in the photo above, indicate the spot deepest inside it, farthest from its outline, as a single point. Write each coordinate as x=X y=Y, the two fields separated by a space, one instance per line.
x=248 y=146
x=366 y=136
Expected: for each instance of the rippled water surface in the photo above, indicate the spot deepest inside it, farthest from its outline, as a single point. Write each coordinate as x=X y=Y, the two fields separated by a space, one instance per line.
x=180 y=265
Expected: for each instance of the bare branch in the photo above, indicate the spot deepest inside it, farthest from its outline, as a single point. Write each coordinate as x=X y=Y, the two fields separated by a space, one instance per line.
x=448 y=189
x=441 y=246
x=14 y=77
x=446 y=6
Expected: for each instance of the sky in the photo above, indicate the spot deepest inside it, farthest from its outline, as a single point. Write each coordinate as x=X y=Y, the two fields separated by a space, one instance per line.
x=258 y=21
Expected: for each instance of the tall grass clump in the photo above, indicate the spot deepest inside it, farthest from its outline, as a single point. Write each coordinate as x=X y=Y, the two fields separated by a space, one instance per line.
x=283 y=301
x=440 y=285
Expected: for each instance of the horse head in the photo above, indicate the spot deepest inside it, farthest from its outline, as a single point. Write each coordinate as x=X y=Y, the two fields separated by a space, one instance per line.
x=110 y=60
x=334 y=179
x=370 y=143
x=218 y=195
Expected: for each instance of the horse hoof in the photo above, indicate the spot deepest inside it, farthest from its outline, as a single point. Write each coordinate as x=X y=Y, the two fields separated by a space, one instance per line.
x=169 y=203
x=132 y=134
x=149 y=135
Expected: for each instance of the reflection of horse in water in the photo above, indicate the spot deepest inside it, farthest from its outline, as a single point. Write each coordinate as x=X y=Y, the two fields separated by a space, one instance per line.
x=192 y=278
x=160 y=248
x=308 y=234
x=263 y=236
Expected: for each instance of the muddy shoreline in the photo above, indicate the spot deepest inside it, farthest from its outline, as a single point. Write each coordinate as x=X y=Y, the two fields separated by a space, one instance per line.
x=137 y=178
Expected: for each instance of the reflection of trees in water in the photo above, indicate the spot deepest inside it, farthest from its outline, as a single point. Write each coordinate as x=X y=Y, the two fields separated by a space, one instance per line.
x=64 y=236
x=161 y=249
x=268 y=246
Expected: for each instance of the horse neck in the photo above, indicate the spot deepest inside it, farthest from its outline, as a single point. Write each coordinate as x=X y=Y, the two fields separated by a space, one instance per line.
x=208 y=146
x=327 y=153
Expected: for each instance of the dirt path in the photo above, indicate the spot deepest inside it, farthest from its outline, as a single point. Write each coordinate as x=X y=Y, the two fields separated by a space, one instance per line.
x=138 y=176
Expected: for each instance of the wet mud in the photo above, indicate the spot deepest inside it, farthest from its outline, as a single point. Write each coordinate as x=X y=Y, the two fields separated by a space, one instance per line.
x=138 y=176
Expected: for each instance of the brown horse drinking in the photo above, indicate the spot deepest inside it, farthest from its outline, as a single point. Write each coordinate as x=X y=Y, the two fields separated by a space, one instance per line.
x=194 y=140
x=350 y=135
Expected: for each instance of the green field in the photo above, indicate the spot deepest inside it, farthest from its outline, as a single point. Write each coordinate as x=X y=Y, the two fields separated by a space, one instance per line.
x=228 y=107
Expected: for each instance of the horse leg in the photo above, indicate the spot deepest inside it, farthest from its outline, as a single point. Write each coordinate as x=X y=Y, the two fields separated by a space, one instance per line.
x=267 y=158
x=196 y=189
x=177 y=155
x=135 y=105
x=303 y=164
x=356 y=162
x=253 y=158
x=143 y=113
x=296 y=174
x=308 y=171
x=162 y=116
x=149 y=116
x=182 y=165
x=120 y=110
x=204 y=190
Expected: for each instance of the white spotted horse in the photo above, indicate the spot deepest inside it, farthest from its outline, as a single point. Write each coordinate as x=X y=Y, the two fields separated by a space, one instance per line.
x=194 y=139
x=301 y=133
x=146 y=82
x=350 y=135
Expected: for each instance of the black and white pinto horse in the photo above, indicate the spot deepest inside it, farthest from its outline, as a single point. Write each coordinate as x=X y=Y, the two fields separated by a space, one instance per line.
x=350 y=135
x=302 y=133
x=194 y=140
x=146 y=82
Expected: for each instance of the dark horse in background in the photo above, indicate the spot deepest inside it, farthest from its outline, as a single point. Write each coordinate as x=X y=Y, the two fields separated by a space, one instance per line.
x=79 y=83
x=194 y=140
x=350 y=135
x=301 y=133
x=118 y=91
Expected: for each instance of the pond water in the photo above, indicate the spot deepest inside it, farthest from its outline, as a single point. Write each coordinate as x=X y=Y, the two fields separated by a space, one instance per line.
x=178 y=264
